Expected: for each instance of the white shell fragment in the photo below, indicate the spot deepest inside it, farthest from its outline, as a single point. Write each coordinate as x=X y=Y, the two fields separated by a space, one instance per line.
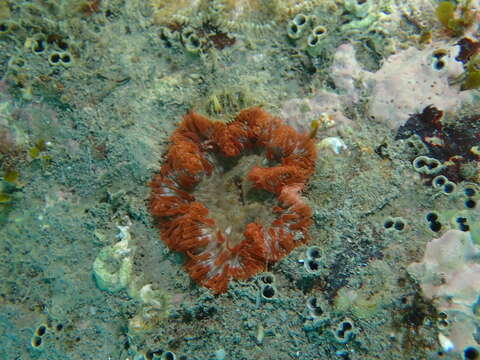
x=445 y=343
x=335 y=144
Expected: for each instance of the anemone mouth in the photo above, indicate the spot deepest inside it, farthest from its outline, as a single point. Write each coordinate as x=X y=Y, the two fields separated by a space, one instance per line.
x=240 y=203
x=228 y=195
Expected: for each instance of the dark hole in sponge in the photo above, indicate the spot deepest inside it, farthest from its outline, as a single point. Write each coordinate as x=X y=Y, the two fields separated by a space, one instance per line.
x=431 y=217
x=317 y=311
x=439 y=181
x=62 y=45
x=55 y=58
x=314 y=253
x=470 y=192
x=39 y=46
x=471 y=353
x=41 y=330
x=37 y=341
x=294 y=28
x=470 y=204
x=268 y=291
x=435 y=226
x=267 y=278
x=169 y=356
x=66 y=59
x=448 y=188
x=388 y=224
x=439 y=65
x=399 y=225
x=313 y=265
x=420 y=164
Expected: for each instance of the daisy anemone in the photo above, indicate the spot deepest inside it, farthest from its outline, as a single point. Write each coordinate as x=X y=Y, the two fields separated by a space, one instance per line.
x=228 y=195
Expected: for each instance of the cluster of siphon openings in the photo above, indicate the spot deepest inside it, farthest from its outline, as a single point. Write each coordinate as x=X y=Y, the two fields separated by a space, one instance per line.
x=57 y=58
x=470 y=192
x=426 y=165
x=311 y=263
x=434 y=224
x=462 y=223
x=37 y=338
x=394 y=224
x=314 y=307
x=438 y=61
x=344 y=331
x=444 y=184
x=442 y=320
x=267 y=286
x=267 y=278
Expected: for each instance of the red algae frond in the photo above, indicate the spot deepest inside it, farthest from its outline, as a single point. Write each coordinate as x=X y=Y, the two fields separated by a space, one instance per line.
x=228 y=195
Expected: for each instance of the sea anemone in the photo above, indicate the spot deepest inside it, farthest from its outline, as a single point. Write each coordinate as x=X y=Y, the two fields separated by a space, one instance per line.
x=228 y=195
